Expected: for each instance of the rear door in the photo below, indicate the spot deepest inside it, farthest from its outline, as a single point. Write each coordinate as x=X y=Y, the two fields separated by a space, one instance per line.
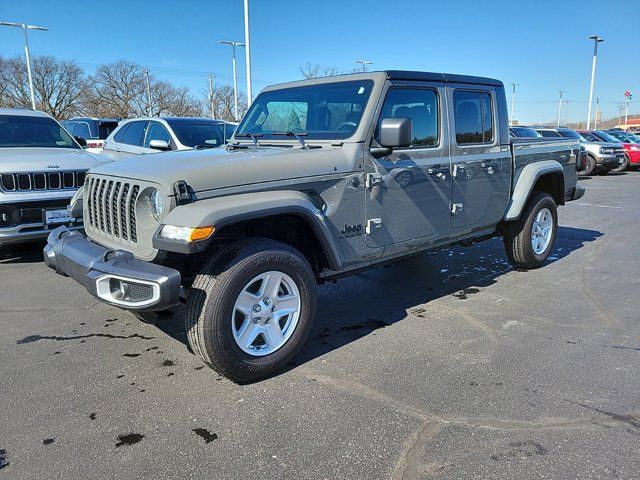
x=408 y=191
x=481 y=173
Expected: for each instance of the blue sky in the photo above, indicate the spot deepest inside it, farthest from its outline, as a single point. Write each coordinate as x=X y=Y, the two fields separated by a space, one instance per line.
x=541 y=45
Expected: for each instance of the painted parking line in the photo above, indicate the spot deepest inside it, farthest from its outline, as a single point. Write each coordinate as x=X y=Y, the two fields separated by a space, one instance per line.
x=597 y=205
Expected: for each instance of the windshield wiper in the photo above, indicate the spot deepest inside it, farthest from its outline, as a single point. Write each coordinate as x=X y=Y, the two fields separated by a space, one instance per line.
x=298 y=136
x=253 y=136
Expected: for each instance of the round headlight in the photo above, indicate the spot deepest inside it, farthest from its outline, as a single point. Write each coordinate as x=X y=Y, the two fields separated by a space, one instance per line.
x=156 y=204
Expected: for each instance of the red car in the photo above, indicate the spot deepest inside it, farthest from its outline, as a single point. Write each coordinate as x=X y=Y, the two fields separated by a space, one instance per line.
x=631 y=144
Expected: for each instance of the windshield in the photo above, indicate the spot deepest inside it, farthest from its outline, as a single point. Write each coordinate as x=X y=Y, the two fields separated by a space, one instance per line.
x=324 y=111
x=523 y=132
x=193 y=133
x=28 y=131
x=606 y=137
x=566 y=133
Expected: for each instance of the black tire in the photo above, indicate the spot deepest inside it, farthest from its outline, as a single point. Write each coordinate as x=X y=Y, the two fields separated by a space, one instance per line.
x=622 y=167
x=590 y=166
x=517 y=234
x=153 y=317
x=212 y=298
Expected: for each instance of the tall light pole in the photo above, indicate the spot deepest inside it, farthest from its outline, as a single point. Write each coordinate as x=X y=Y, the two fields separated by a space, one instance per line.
x=596 y=40
x=560 y=105
x=364 y=64
x=626 y=113
x=235 y=74
x=566 y=113
x=247 y=53
x=213 y=110
x=25 y=27
x=513 y=102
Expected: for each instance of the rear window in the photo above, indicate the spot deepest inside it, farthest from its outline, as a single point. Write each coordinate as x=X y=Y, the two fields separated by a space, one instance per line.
x=549 y=133
x=105 y=129
x=473 y=115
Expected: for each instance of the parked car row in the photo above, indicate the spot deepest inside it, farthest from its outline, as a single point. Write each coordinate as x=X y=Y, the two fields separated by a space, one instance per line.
x=606 y=150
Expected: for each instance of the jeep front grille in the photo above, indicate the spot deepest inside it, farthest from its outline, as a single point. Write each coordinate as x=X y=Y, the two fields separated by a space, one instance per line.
x=42 y=181
x=111 y=207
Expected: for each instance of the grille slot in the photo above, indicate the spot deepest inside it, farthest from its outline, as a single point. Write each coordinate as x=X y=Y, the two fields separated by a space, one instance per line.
x=21 y=182
x=111 y=207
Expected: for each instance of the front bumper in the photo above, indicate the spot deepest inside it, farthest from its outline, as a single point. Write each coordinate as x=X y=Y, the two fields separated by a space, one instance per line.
x=609 y=160
x=97 y=268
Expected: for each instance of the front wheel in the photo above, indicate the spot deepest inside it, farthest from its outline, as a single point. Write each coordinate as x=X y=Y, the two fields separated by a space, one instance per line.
x=623 y=166
x=590 y=166
x=251 y=309
x=529 y=240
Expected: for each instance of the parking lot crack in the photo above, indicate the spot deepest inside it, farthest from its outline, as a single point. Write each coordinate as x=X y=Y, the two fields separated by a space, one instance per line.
x=407 y=465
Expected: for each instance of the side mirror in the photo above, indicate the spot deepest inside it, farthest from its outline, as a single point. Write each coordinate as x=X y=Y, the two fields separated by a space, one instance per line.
x=161 y=145
x=395 y=132
x=81 y=141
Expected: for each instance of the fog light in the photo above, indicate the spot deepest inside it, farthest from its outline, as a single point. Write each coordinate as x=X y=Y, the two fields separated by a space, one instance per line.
x=127 y=292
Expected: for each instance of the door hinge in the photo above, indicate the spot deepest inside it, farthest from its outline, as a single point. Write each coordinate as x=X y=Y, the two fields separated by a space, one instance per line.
x=373 y=180
x=373 y=224
x=456 y=208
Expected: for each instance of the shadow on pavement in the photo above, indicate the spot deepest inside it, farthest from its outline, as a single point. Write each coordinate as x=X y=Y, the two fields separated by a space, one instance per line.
x=22 y=252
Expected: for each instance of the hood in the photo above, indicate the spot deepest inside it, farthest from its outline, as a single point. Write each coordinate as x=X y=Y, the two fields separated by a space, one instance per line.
x=218 y=168
x=26 y=159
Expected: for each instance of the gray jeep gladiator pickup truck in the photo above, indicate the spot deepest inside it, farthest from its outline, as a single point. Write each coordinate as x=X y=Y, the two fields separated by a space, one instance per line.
x=322 y=178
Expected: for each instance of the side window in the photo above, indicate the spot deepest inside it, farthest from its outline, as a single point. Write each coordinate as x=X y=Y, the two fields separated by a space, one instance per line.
x=82 y=130
x=229 y=128
x=156 y=132
x=119 y=137
x=421 y=106
x=135 y=133
x=473 y=115
x=69 y=126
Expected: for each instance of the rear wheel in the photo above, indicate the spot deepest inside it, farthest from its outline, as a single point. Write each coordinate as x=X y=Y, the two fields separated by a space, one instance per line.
x=529 y=240
x=251 y=309
x=590 y=166
x=623 y=166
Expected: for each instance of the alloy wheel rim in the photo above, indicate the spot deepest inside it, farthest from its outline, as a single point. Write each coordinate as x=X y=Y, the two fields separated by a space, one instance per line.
x=266 y=313
x=541 y=231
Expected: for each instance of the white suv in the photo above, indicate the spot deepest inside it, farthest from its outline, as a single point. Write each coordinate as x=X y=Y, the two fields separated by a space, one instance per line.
x=152 y=135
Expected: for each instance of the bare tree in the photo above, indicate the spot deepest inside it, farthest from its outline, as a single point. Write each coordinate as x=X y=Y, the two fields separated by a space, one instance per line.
x=223 y=103
x=316 y=71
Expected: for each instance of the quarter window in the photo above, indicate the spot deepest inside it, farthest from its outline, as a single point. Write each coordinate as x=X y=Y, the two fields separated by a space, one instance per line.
x=135 y=133
x=420 y=105
x=82 y=130
x=473 y=114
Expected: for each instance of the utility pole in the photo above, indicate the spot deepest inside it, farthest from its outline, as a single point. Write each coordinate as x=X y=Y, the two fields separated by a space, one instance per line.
x=566 y=112
x=595 y=120
x=213 y=112
x=146 y=75
x=26 y=52
x=363 y=64
x=513 y=103
x=560 y=105
x=620 y=109
x=247 y=53
x=596 y=40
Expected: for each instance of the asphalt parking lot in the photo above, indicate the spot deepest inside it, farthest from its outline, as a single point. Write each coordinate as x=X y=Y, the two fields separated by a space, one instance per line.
x=448 y=365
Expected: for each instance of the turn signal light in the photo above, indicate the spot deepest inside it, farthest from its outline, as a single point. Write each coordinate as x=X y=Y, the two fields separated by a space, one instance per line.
x=201 y=233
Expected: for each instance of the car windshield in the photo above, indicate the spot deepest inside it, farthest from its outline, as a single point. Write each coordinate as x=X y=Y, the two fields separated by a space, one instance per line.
x=199 y=133
x=328 y=111
x=524 y=132
x=31 y=131
x=566 y=133
x=606 y=137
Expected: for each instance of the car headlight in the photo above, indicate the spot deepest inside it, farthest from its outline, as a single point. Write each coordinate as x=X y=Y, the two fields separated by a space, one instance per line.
x=186 y=234
x=156 y=204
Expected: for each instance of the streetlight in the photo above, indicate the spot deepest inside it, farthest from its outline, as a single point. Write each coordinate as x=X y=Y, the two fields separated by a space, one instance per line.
x=235 y=73
x=513 y=101
x=247 y=52
x=560 y=105
x=364 y=64
x=25 y=27
x=596 y=40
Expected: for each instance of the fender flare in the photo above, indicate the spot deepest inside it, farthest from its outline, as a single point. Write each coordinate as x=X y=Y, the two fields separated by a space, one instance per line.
x=525 y=183
x=222 y=211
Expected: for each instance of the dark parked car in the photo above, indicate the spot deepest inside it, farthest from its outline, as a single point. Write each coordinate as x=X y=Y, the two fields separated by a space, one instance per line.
x=93 y=130
x=523 y=132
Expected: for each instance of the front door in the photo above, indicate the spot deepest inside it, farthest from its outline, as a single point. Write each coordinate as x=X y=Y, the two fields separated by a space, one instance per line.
x=481 y=167
x=408 y=191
